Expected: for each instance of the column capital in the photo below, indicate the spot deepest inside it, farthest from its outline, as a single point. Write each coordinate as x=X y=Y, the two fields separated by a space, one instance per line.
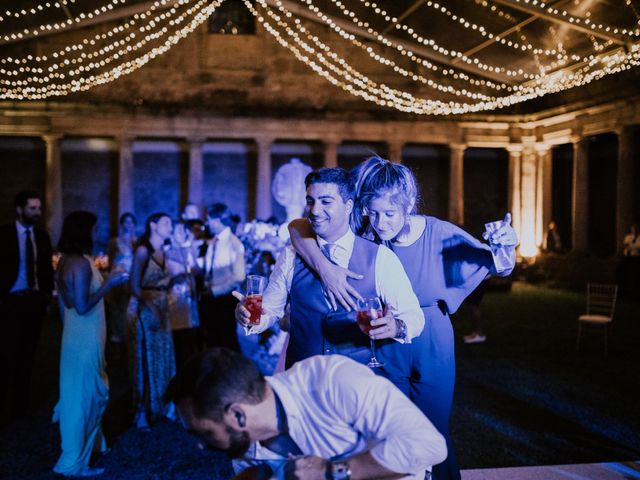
x=52 y=137
x=196 y=140
x=542 y=148
x=515 y=149
x=458 y=146
x=264 y=142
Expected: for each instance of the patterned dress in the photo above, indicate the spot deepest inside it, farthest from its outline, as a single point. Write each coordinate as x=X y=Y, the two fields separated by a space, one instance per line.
x=151 y=344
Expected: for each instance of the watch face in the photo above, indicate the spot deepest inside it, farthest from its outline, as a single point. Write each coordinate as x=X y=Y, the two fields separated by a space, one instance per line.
x=340 y=471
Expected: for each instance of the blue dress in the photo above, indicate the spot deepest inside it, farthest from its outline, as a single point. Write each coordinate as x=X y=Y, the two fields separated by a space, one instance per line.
x=83 y=384
x=444 y=265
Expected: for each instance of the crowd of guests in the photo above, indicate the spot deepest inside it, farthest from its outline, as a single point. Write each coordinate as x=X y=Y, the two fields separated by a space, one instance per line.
x=170 y=293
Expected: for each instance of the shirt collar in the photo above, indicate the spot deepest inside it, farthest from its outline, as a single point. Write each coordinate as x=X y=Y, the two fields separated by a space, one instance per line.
x=346 y=241
x=224 y=234
x=283 y=393
x=21 y=228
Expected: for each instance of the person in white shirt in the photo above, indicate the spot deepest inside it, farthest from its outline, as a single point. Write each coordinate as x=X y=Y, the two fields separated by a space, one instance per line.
x=315 y=328
x=327 y=417
x=222 y=263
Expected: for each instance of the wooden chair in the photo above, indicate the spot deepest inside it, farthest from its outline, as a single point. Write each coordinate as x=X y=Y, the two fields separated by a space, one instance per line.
x=601 y=302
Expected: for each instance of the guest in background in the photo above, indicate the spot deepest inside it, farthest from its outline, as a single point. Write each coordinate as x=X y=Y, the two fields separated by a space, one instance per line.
x=150 y=333
x=120 y=251
x=554 y=241
x=83 y=380
x=473 y=302
x=26 y=283
x=183 y=301
x=191 y=212
x=631 y=242
x=223 y=267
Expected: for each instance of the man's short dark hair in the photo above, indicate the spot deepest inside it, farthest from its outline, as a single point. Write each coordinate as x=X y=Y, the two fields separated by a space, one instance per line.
x=23 y=197
x=221 y=211
x=215 y=379
x=337 y=176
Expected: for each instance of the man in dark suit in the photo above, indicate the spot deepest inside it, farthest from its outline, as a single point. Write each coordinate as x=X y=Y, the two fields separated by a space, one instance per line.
x=26 y=283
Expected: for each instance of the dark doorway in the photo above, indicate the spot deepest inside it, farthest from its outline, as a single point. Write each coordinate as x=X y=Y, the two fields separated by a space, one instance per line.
x=352 y=153
x=603 y=170
x=562 y=191
x=486 y=183
x=430 y=165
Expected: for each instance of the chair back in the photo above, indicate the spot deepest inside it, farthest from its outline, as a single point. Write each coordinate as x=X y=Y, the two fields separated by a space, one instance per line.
x=601 y=299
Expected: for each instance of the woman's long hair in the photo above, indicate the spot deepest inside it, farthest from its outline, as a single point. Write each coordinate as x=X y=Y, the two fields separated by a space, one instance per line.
x=77 y=233
x=376 y=177
x=145 y=239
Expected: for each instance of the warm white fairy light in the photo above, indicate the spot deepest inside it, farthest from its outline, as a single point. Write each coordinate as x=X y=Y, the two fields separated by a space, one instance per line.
x=123 y=49
x=360 y=85
x=33 y=10
x=63 y=24
x=199 y=13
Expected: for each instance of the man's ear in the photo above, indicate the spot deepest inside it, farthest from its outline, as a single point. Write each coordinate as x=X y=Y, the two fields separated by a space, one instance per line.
x=236 y=416
x=349 y=205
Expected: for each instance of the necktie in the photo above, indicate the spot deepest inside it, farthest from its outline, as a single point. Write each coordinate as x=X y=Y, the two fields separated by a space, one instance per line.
x=31 y=277
x=329 y=251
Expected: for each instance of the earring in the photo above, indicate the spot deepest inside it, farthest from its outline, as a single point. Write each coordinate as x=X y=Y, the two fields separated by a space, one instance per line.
x=240 y=419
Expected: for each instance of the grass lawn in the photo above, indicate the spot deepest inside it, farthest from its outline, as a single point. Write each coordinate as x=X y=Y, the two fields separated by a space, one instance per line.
x=526 y=397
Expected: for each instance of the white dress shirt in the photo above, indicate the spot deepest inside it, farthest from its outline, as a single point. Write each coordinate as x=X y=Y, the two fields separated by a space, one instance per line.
x=223 y=263
x=21 y=281
x=337 y=408
x=392 y=285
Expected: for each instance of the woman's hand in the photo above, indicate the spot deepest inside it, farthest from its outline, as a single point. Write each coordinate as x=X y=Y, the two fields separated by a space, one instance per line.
x=505 y=236
x=116 y=278
x=334 y=283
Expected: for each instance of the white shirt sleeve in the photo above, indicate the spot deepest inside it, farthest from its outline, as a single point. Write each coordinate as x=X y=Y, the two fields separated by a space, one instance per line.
x=394 y=288
x=276 y=295
x=403 y=439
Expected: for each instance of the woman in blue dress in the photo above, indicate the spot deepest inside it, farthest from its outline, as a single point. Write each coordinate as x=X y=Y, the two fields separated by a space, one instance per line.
x=444 y=263
x=83 y=381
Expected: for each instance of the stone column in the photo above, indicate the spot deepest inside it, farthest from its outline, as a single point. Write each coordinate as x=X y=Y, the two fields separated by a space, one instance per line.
x=395 y=151
x=580 y=201
x=331 y=153
x=456 y=183
x=626 y=174
x=125 y=175
x=528 y=201
x=514 y=187
x=53 y=187
x=195 y=189
x=263 y=187
x=544 y=192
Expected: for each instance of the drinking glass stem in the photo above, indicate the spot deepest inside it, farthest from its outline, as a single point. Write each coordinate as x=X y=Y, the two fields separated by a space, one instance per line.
x=373 y=350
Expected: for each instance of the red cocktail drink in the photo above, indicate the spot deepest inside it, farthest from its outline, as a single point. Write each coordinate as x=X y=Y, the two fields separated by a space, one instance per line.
x=253 y=303
x=365 y=317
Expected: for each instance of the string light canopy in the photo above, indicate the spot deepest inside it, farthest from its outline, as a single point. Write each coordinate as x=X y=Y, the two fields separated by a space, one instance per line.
x=455 y=57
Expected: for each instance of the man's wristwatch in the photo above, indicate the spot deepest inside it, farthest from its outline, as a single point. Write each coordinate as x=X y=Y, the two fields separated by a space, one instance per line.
x=401 y=330
x=338 y=471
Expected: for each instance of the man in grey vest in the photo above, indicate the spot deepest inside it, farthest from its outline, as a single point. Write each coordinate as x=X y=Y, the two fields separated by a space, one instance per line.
x=315 y=328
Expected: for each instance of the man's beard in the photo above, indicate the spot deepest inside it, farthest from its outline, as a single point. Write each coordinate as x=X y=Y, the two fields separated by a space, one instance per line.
x=239 y=443
x=31 y=219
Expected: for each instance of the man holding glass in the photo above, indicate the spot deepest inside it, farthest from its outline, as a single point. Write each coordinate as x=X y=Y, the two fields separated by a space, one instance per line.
x=315 y=327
